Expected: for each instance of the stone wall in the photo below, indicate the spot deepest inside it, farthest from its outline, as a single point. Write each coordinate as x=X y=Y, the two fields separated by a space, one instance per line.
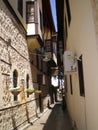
x=13 y=56
x=17 y=116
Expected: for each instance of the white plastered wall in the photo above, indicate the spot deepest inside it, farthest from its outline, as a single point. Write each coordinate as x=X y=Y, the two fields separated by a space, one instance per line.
x=82 y=40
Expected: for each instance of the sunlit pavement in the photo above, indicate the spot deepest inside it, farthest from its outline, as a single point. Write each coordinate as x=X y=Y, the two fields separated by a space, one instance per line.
x=53 y=119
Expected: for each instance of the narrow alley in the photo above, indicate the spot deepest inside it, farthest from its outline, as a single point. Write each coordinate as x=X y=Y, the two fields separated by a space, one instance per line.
x=48 y=64
x=54 y=118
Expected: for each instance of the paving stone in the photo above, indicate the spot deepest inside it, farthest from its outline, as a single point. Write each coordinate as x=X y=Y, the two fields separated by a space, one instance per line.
x=54 y=119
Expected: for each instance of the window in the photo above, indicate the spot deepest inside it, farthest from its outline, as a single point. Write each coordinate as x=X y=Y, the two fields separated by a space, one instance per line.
x=68 y=11
x=37 y=61
x=71 y=90
x=30 y=12
x=39 y=78
x=48 y=45
x=81 y=78
x=27 y=83
x=66 y=84
x=20 y=7
x=40 y=20
x=15 y=78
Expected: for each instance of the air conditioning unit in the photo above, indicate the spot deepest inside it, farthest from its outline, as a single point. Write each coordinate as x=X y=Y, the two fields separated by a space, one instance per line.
x=70 y=62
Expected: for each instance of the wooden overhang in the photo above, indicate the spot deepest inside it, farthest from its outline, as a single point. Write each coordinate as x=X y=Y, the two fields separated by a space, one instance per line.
x=60 y=18
x=47 y=16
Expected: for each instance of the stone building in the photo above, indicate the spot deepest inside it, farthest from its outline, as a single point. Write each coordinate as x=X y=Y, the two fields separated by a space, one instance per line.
x=21 y=44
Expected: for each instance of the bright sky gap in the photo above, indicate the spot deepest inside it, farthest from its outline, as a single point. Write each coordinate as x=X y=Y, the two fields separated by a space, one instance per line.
x=53 y=7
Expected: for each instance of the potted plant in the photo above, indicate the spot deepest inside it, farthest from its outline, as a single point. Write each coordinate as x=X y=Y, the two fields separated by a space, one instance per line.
x=29 y=91
x=15 y=91
x=38 y=91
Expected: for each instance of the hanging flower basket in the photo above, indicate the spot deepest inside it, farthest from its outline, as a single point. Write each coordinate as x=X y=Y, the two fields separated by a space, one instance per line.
x=38 y=91
x=15 y=91
x=30 y=91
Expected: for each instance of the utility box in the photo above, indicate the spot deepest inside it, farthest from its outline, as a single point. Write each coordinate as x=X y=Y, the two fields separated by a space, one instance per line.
x=70 y=62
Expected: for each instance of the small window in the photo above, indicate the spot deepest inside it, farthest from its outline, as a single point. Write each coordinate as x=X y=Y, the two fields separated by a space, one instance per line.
x=37 y=61
x=48 y=45
x=40 y=20
x=81 y=78
x=66 y=84
x=39 y=78
x=15 y=79
x=30 y=12
x=71 y=89
x=20 y=7
x=27 y=83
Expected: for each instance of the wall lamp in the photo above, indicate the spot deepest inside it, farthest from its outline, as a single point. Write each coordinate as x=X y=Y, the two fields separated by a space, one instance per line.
x=45 y=57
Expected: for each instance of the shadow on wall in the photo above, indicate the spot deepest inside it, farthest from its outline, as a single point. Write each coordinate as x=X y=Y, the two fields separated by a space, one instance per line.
x=38 y=104
x=27 y=114
x=13 y=120
x=42 y=99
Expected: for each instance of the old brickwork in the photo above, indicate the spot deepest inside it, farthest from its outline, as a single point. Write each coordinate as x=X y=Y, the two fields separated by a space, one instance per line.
x=14 y=114
x=17 y=116
x=13 y=57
